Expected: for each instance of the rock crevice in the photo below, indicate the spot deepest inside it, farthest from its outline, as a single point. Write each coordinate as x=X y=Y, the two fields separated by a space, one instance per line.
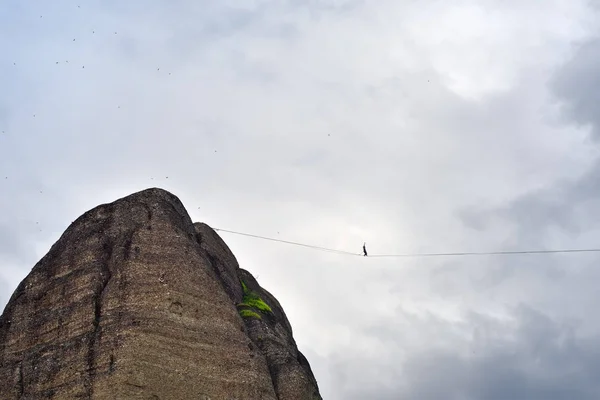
x=98 y=297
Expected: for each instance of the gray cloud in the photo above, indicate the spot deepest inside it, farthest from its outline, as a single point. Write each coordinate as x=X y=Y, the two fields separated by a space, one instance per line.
x=531 y=356
x=540 y=356
x=574 y=82
x=569 y=205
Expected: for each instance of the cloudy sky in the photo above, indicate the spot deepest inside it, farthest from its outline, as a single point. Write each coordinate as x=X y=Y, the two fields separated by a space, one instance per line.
x=416 y=126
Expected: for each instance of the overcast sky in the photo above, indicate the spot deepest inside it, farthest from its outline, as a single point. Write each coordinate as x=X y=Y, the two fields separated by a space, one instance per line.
x=416 y=126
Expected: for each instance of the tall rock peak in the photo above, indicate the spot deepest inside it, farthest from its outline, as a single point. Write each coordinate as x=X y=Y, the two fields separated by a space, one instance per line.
x=135 y=301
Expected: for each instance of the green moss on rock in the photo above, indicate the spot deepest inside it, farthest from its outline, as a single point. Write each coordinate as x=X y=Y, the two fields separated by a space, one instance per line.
x=252 y=300
x=257 y=303
x=249 y=314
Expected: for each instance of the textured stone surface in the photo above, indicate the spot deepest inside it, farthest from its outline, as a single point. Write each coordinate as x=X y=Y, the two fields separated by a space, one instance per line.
x=291 y=374
x=136 y=302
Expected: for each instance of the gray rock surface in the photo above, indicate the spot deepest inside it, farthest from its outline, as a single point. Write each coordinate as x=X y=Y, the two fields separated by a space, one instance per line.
x=134 y=301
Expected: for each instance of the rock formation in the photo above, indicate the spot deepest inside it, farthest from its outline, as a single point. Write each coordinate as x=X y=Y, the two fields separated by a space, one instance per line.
x=134 y=301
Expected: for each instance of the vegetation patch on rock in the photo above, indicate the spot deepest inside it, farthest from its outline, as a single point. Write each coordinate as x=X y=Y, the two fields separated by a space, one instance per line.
x=249 y=314
x=251 y=303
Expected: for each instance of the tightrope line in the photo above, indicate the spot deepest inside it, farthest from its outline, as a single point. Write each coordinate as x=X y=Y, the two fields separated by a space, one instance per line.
x=408 y=255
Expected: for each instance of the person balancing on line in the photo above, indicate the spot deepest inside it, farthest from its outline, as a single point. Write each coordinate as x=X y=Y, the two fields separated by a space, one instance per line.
x=365 y=249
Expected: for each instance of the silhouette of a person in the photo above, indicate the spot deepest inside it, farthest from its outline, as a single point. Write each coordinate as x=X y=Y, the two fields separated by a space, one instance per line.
x=365 y=249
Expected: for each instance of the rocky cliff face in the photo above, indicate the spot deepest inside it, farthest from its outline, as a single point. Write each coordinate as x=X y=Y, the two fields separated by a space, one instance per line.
x=135 y=301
